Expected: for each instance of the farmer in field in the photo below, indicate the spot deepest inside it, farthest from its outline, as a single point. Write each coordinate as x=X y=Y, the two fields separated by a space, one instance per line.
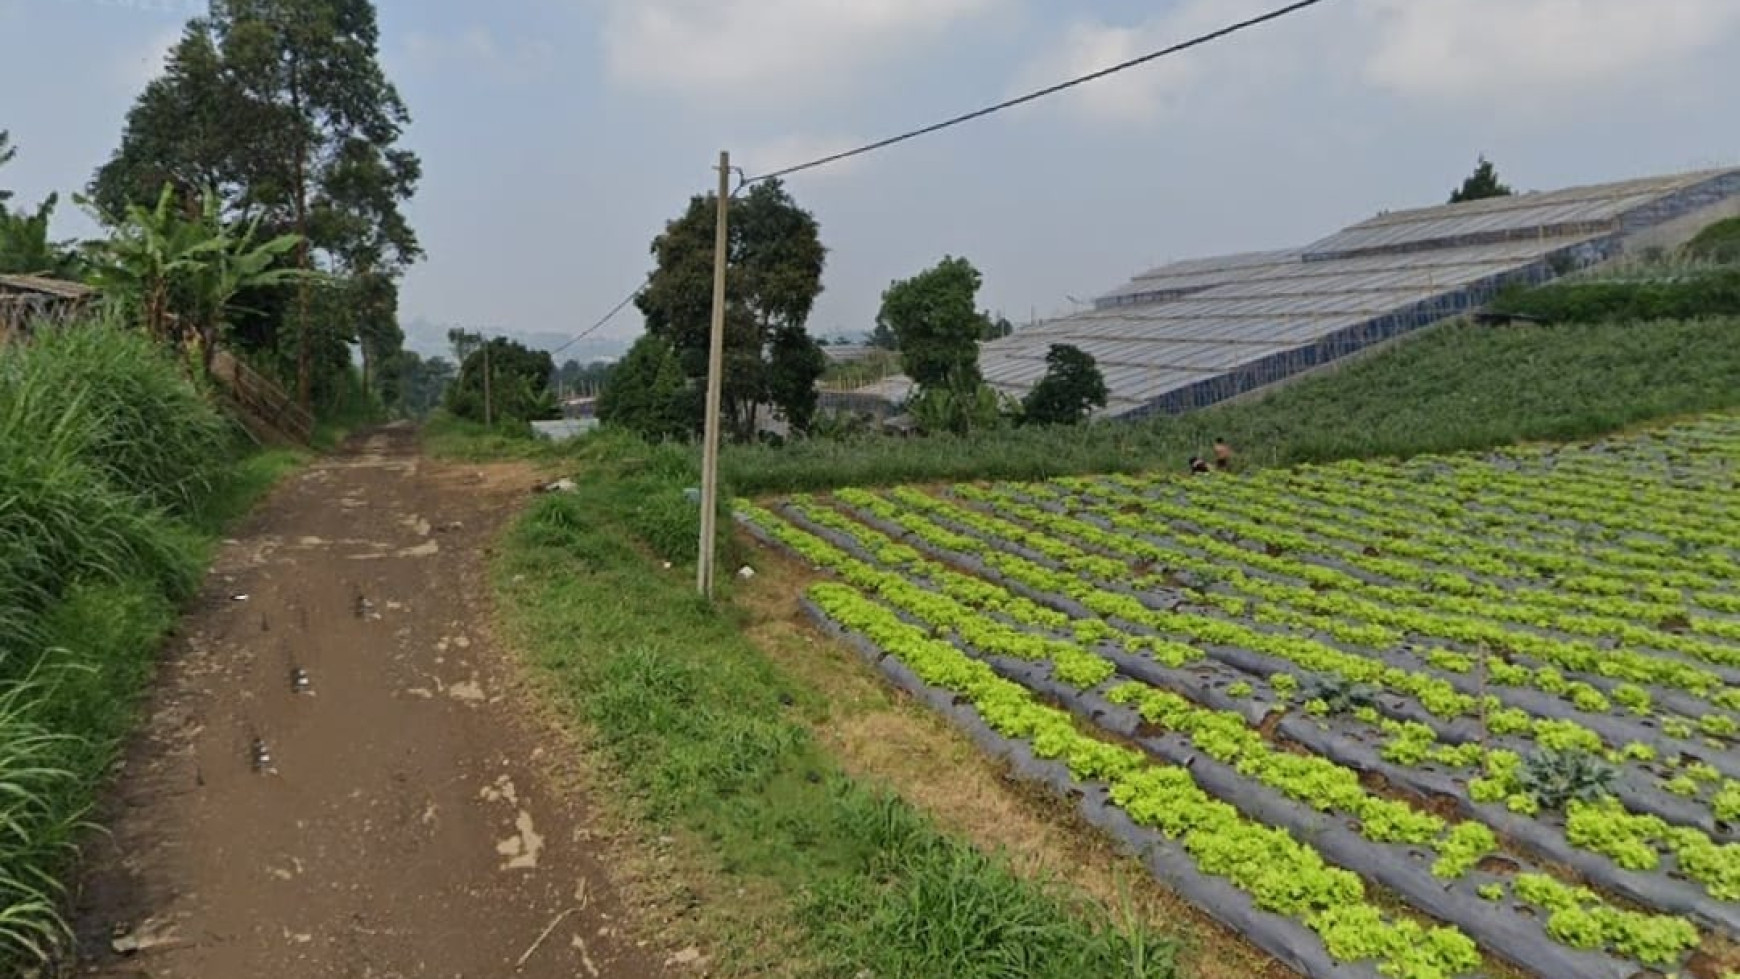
x=1222 y=455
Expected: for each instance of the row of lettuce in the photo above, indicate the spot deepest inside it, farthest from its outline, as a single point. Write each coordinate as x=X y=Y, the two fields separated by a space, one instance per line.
x=1203 y=574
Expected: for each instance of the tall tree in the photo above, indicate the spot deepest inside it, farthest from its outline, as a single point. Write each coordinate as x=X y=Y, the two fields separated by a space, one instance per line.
x=774 y=268
x=282 y=106
x=998 y=327
x=648 y=394
x=372 y=303
x=422 y=383
x=882 y=337
x=7 y=152
x=937 y=325
x=517 y=388
x=1480 y=185
x=25 y=247
x=795 y=363
x=464 y=342
x=1071 y=388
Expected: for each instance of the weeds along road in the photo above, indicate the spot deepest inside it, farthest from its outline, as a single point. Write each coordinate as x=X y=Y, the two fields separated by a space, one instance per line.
x=402 y=820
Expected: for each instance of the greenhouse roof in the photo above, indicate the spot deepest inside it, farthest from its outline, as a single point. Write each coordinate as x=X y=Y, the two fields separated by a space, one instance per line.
x=1147 y=350
x=1191 y=333
x=1577 y=210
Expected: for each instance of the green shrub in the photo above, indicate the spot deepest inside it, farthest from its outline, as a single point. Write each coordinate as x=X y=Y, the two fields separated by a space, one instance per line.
x=1710 y=294
x=1720 y=242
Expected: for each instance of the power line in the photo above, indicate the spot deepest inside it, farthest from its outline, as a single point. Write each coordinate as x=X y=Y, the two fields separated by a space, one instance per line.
x=606 y=318
x=1194 y=42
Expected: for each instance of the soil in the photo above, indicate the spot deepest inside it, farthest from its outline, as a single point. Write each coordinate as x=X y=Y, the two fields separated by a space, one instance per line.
x=400 y=814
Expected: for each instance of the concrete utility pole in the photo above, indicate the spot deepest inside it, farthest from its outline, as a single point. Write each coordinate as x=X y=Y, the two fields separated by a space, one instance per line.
x=715 y=390
x=488 y=398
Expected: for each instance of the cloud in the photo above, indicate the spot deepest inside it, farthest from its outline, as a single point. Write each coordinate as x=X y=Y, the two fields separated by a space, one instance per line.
x=1149 y=92
x=776 y=50
x=1535 y=50
x=477 y=51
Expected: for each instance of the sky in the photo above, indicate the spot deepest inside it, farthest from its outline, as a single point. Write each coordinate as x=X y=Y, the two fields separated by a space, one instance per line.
x=558 y=136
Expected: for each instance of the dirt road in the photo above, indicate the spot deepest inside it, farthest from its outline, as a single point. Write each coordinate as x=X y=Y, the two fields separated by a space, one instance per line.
x=390 y=817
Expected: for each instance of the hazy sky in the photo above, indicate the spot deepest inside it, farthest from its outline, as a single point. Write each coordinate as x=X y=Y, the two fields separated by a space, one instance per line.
x=557 y=136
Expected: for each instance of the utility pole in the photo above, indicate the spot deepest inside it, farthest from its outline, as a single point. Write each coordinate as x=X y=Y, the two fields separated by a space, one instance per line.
x=715 y=389
x=488 y=394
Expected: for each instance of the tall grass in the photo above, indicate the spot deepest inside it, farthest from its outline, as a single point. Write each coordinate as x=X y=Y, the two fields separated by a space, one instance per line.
x=141 y=423
x=113 y=466
x=1458 y=387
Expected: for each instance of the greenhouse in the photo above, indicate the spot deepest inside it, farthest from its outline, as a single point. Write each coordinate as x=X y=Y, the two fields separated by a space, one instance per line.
x=1192 y=334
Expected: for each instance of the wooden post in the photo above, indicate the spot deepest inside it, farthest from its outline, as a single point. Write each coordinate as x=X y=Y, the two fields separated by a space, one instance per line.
x=488 y=393
x=715 y=390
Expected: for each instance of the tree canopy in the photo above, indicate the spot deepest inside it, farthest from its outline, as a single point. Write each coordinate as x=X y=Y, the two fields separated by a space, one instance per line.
x=281 y=108
x=1072 y=387
x=648 y=393
x=25 y=248
x=178 y=273
x=774 y=262
x=423 y=383
x=937 y=325
x=7 y=152
x=518 y=388
x=1480 y=185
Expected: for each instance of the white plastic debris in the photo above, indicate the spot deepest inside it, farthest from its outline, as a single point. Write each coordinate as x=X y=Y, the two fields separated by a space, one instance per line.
x=746 y=572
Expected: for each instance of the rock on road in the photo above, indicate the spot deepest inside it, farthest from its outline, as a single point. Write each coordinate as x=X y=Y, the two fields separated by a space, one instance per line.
x=383 y=813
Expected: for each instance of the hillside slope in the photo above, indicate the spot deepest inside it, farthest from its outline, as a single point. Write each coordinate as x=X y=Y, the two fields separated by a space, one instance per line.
x=1458 y=386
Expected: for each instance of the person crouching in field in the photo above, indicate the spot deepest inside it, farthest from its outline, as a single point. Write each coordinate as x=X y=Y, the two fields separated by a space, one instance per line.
x=1222 y=455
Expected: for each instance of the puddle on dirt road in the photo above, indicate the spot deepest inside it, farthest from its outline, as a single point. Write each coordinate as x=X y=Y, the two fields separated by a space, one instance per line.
x=522 y=848
x=502 y=791
x=470 y=692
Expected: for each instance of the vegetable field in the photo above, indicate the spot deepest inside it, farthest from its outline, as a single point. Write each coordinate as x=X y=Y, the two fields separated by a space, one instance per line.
x=1398 y=719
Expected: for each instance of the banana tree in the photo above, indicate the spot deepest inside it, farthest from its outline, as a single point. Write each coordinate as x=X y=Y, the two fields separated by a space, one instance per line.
x=242 y=263
x=179 y=273
x=25 y=247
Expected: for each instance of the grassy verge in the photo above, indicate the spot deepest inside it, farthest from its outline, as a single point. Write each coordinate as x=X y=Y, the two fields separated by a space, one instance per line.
x=1681 y=293
x=116 y=476
x=1455 y=388
x=713 y=741
x=449 y=436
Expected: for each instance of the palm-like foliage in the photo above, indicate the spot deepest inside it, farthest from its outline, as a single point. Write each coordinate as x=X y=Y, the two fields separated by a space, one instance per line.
x=179 y=273
x=25 y=247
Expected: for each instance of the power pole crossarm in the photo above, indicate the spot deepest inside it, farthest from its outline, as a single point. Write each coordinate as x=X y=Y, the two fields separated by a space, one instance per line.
x=715 y=386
